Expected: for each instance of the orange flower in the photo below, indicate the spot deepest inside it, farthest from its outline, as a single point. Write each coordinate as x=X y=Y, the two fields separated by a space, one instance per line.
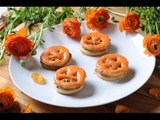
x=152 y=44
x=97 y=19
x=7 y=97
x=130 y=22
x=71 y=27
x=27 y=109
x=18 y=44
x=122 y=109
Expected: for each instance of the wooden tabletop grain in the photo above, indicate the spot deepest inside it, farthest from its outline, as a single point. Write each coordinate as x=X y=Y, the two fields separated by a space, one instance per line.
x=140 y=101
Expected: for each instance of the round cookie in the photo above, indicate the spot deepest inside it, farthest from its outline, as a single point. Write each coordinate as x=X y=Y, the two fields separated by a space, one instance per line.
x=94 y=43
x=111 y=67
x=69 y=79
x=55 y=57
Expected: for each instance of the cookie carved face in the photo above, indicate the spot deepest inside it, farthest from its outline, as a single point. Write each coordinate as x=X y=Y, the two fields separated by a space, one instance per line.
x=70 y=77
x=56 y=56
x=95 y=41
x=113 y=63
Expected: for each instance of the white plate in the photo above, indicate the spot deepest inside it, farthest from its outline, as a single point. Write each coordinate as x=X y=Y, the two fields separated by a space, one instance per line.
x=96 y=91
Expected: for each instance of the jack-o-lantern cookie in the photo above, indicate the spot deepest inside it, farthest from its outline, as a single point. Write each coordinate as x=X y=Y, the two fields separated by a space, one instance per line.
x=69 y=79
x=94 y=43
x=111 y=67
x=55 y=57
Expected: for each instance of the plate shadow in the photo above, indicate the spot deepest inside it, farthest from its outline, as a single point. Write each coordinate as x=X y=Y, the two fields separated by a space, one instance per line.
x=86 y=92
x=111 y=49
x=130 y=75
x=31 y=64
x=73 y=62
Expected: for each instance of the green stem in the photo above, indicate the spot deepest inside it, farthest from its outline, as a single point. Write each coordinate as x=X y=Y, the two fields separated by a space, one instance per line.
x=40 y=36
x=127 y=9
x=27 y=24
x=2 y=55
x=12 y=23
x=2 y=52
x=38 y=41
x=150 y=31
x=23 y=61
x=157 y=27
x=145 y=31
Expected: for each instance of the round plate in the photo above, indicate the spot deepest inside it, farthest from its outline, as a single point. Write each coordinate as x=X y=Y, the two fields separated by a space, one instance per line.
x=96 y=91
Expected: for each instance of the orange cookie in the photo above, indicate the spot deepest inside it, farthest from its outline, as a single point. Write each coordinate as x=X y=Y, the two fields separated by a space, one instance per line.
x=111 y=66
x=94 y=43
x=69 y=79
x=55 y=57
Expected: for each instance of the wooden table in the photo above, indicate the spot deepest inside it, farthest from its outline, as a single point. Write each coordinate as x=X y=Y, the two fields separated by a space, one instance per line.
x=139 y=102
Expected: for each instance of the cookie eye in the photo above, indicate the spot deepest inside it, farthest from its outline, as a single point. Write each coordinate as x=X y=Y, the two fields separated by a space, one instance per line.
x=64 y=73
x=119 y=66
x=114 y=59
x=75 y=75
x=105 y=61
x=99 y=40
x=89 y=38
x=57 y=51
x=50 y=54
